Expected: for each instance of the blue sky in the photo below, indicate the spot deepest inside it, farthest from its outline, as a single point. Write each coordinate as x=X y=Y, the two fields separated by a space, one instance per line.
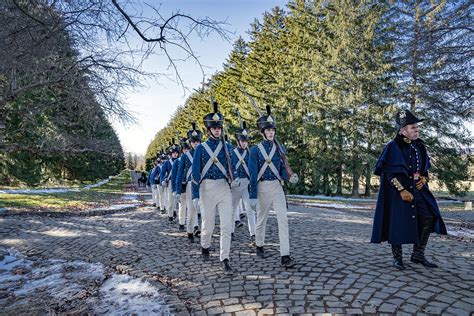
x=154 y=104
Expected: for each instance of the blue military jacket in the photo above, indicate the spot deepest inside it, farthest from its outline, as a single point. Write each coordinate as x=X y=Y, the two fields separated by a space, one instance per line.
x=200 y=159
x=240 y=171
x=395 y=220
x=257 y=161
x=166 y=170
x=184 y=165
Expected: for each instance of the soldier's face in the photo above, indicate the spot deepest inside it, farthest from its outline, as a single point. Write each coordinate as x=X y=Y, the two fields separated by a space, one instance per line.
x=243 y=143
x=185 y=150
x=216 y=132
x=174 y=154
x=269 y=133
x=194 y=144
x=411 y=131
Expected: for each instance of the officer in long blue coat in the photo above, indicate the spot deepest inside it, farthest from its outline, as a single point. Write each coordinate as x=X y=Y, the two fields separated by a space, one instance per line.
x=406 y=211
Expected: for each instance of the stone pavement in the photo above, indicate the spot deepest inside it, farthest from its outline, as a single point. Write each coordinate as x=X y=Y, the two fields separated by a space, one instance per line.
x=338 y=270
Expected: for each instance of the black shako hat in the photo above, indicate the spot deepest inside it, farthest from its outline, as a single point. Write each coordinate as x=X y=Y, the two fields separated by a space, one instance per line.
x=241 y=133
x=266 y=121
x=184 y=143
x=405 y=117
x=173 y=147
x=194 y=135
x=214 y=119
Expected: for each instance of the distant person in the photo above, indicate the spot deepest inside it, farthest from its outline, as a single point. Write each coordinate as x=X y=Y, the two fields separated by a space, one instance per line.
x=142 y=181
x=406 y=212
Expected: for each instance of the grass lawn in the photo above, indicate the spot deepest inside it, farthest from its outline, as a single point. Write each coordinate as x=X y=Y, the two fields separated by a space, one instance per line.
x=106 y=194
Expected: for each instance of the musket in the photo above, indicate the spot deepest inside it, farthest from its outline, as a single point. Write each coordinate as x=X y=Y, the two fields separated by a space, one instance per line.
x=226 y=150
x=293 y=177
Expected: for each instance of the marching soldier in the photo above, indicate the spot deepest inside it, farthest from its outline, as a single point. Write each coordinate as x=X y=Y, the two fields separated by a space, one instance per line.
x=161 y=190
x=177 y=179
x=267 y=173
x=212 y=173
x=406 y=211
x=185 y=177
x=165 y=179
x=240 y=193
x=153 y=179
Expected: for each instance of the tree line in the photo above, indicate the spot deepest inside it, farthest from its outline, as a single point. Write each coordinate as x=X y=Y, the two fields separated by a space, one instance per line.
x=335 y=73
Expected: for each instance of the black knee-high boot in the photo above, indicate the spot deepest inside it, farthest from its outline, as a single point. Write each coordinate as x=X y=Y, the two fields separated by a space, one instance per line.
x=398 y=257
x=418 y=255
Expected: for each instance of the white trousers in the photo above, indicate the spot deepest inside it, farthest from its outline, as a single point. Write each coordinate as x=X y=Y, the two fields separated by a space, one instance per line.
x=240 y=198
x=154 y=190
x=182 y=209
x=271 y=197
x=159 y=192
x=171 y=204
x=162 y=195
x=215 y=194
x=192 y=214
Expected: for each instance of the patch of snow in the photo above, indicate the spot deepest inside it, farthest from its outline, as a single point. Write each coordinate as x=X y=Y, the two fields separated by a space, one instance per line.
x=336 y=205
x=53 y=282
x=460 y=232
x=330 y=198
x=117 y=207
x=58 y=190
x=128 y=296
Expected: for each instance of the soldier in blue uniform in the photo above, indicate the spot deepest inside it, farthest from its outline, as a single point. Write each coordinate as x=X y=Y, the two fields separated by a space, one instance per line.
x=185 y=177
x=406 y=211
x=240 y=192
x=153 y=180
x=179 y=185
x=167 y=183
x=211 y=189
x=267 y=175
x=161 y=190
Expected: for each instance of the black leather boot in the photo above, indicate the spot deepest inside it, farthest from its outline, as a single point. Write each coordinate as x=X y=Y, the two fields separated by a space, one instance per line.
x=418 y=255
x=226 y=267
x=287 y=261
x=397 y=253
x=260 y=252
x=205 y=254
x=191 y=237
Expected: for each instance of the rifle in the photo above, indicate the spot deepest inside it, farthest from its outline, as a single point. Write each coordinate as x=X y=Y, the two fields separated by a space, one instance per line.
x=293 y=177
x=230 y=177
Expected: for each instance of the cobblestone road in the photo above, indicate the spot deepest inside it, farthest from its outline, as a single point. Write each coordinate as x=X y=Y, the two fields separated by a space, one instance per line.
x=338 y=270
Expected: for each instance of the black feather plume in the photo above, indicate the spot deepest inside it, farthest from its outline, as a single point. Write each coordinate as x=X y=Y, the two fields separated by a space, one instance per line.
x=244 y=125
x=193 y=125
x=215 y=107
x=269 y=111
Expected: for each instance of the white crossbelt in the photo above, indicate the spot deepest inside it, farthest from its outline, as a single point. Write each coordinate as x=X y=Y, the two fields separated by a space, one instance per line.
x=190 y=170
x=241 y=161
x=168 y=177
x=268 y=162
x=212 y=160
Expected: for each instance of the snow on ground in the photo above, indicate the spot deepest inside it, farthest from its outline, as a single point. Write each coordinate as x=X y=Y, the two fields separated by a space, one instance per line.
x=462 y=232
x=73 y=287
x=337 y=205
x=57 y=190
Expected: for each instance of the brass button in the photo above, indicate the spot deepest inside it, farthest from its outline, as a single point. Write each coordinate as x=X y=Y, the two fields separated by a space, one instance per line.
x=413 y=206
x=410 y=177
x=413 y=216
x=411 y=187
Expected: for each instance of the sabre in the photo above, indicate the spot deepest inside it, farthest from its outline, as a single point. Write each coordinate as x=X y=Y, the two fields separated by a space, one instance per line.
x=226 y=150
x=293 y=177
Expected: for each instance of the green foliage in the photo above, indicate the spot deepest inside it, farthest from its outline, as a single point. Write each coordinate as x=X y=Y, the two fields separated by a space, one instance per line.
x=335 y=72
